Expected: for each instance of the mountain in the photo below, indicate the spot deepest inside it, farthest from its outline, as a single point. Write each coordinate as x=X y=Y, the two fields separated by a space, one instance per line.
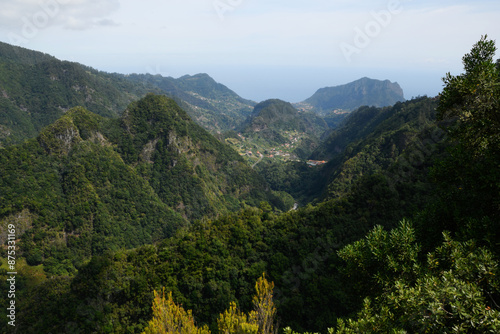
x=369 y=141
x=211 y=104
x=353 y=95
x=372 y=139
x=88 y=183
x=214 y=262
x=36 y=89
x=405 y=239
x=276 y=123
x=190 y=169
x=280 y=115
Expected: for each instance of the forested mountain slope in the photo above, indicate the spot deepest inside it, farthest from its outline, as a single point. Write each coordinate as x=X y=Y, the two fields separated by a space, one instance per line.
x=406 y=241
x=216 y=261
x=274 y=123
x=396 y=140
x=279 y=115
x=371 y=139
x=212 y=105
x=36 y=89
x=88 y=183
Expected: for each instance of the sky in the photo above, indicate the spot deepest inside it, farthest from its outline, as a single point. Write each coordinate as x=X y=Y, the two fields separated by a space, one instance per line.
x=261 y=49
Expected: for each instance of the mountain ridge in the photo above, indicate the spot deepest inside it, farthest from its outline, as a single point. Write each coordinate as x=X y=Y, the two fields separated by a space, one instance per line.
x=276 y=122
x=350 y=96
x=56 y=86
x=212 y=104
x=108 y=183
x=37 y=88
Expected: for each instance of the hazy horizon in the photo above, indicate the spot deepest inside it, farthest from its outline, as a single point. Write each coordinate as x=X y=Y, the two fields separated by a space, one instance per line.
x=260 y=50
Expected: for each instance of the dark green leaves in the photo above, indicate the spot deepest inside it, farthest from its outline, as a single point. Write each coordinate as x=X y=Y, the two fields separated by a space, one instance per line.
x=471 y=99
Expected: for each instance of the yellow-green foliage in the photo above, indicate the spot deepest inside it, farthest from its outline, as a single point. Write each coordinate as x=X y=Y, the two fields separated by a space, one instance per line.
x=260 y=320
x=264 y=308
x=234 y=321
x=169 y=317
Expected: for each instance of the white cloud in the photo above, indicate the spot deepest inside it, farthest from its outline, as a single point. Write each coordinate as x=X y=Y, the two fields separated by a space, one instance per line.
x=71 y=14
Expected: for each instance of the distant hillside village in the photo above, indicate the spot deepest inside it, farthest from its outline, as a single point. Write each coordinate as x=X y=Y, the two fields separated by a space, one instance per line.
x=313 y=163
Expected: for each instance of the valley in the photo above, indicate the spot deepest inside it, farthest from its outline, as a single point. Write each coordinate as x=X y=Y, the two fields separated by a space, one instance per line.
x=141 y=201
x=253 y=149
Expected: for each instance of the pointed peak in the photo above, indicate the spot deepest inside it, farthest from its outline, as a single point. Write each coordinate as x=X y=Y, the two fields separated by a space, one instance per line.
x=272 y=102
x=76 y=125
x=153 y=113
x=59 y=137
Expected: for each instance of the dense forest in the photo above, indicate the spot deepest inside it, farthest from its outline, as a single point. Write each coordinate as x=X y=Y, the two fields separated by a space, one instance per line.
x=87 y=184
x=36 y=89
x=211 y=104
x=275 y=123
x=146 y=223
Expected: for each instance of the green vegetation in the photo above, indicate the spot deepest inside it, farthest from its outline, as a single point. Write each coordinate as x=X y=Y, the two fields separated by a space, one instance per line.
x=187 y=167
x=402 y=235
x=380 y=140
x=455 y=288
x=451 y=289
x=214 y=262
x=304 y=183
x=169 y=317
x=88 y=184
x=362 y=92
x=277 y=130
x=210 y=104
x=36 y=89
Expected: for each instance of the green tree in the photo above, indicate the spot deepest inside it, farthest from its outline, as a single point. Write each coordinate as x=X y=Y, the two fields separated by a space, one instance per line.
x=454 y=290
x=381 y=257
x=468 y=180
x=472 y=100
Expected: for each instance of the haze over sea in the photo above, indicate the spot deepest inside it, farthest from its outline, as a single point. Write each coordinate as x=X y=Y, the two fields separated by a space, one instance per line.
x=260 y=49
